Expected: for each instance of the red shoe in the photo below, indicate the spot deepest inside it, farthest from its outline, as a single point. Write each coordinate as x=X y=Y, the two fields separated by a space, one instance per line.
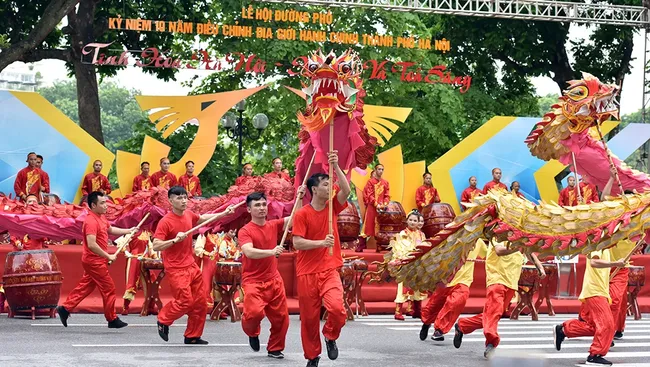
x=398 y=312
x=399 y=316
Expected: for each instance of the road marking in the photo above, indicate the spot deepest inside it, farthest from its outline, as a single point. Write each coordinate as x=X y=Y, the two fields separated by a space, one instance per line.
x=520 y=331
x=610 y=355
x=549 y=338
x=102 y=325
x=157 y=345
x=569 y=345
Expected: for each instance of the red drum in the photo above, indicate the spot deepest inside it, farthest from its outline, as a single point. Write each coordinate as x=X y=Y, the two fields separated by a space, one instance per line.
x=32 y=280
x=359 y=265
x=436 y=217
x=529 y=276
x=636 y=276
x=152 y=264
x=347 y=276
x=228 y=273
x=349 y=223
x=391 y=222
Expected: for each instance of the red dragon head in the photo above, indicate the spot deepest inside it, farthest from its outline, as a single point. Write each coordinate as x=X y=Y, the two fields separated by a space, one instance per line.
x=335 y=82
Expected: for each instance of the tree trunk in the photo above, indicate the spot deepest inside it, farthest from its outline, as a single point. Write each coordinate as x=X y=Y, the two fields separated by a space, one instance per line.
x=87 y=88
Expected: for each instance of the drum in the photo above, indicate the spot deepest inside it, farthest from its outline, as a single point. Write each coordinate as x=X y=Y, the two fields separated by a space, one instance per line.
x=359 y=265
x=349 y=223
x=636 y=277
x=228 y=273
x=152 y=264
x=347 y=276
x=529 y=275
x=32 y=279
x=391 y=222
x=436 y=217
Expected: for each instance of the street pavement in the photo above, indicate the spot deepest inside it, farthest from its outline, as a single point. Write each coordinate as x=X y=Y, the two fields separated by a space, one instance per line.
x=368 y=341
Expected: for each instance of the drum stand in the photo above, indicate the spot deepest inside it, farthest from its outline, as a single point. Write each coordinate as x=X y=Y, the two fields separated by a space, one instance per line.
x=227 y=302
x=151 y=289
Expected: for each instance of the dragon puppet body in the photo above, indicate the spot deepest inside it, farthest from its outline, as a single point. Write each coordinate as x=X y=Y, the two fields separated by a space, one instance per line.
x=547 y=228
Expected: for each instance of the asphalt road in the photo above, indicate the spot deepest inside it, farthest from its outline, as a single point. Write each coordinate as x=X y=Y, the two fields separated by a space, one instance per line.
x=369 y=341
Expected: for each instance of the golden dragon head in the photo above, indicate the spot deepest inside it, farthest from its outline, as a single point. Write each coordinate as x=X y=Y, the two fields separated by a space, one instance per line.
x=334 y=82
x=585 y=103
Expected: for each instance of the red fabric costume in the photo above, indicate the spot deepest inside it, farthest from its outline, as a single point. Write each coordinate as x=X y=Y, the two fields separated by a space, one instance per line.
x=426 y=195
x=263 y=285
x=493 y=184
x=141 y=183
x=29 y=181
x=444 y=307
x=597 y=321
x=319 y=282
x=469 y=194
x=183 y=275
x=163 y=180
x=618 y=293
x=375 y=193
x=95 y=182
x=95 y=269
x=498 y=297
x=569 y=195
x=280 y=174
x=242 y=180
x=137 y=246
x=46 y=181
x=192 y=184
x=27 y=243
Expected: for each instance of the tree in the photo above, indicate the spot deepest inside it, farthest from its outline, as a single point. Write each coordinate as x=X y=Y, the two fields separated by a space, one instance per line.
x=546 y=102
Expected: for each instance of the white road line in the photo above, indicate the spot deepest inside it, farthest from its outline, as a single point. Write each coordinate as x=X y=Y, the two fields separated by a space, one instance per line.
x=102 y=325
x=549 y=338
x=157 y=345
x=569 y=345
x=520 y=331
x=610 y=355
x=628 y=327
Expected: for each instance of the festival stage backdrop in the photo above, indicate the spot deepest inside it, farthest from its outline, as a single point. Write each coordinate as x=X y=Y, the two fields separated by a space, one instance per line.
x=29 y=123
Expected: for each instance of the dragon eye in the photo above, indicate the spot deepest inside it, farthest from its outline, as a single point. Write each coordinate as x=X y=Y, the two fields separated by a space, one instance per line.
x=345 y=68
x=312 y=67
x=578 y=93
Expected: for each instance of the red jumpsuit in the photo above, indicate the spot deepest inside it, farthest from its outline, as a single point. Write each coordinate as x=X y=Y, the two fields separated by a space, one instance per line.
x=263 y=285
x=95 y=269
x=375 y=193
x=137 y=246
x=183 y=275
x=319 y=282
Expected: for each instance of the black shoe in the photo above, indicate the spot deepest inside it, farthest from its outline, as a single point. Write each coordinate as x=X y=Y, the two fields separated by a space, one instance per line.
x=254 y=342
x=489 y=351
x=313 y=362
x=117 y=324
x=458 y=336
x=332 y=349
x=163 y=331
x=558 y=336
x=618 y=335
x=277 y=354
x=424 y=332
x=597 y=361
x=63 y=315
x=612 y=345
x=438 y=336
x=197 y=341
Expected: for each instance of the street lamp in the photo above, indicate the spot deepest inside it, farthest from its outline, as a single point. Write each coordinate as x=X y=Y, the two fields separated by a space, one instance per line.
x=235 y=128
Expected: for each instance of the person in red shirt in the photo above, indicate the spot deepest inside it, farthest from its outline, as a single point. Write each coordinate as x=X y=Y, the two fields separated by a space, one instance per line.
x=46 y=177
x=96 y=181
x=189 y=181
x=29 y=180
x=376 y=196
x=143 y=180
x=26 y=243
x=182 y=272
x=589 y=191
x=568 y=195
x=164 y=178
x=261 y=280
x=426 y=194
x=469 y=193
x=247 y=174
x=495 y=183
x=319 y=282
x=515 y=189
x=277 y=171
x=94 y=262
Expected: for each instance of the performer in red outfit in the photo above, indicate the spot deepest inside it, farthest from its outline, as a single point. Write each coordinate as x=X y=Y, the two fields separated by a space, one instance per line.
x=164 y=178
x=247 y=174
x=93 y=260
x=376 y=196
x=96 y=181
x=470 y=193
x=143 y=180
x=29 y=180
x=26 y=243
x=189 y=181
x=515 y=187
x=181 y=271
x=319 y=282
x=426 y=194
x=589 y=192
x=137 y=247
x=277 y=171
x=261 y=280
x=46 y=177
x=496 y=182
x=568 y=195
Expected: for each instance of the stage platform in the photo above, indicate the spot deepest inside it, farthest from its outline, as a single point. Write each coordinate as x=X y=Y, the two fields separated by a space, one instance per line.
x=378 y=297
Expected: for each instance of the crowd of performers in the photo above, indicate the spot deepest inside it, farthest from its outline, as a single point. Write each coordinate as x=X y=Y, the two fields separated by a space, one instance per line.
x=602 y=313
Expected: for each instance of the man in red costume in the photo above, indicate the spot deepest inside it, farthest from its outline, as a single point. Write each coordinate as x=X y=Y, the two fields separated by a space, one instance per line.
x=261 y=280
x=29 y=180
x=426 y=194
x=46 y=177
x=247 y=174
x=319 y=282
x=589 y=192
x=277 y=171
x=96 y=181
x=568 y=195
x=137 y=247
x=470 y=193
x=376 y=196
x=94 y=262
x=496 y=182
x=163 y=178
x=182 y=272
x=26 y=243
x=189 y=181
x=143 y=180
